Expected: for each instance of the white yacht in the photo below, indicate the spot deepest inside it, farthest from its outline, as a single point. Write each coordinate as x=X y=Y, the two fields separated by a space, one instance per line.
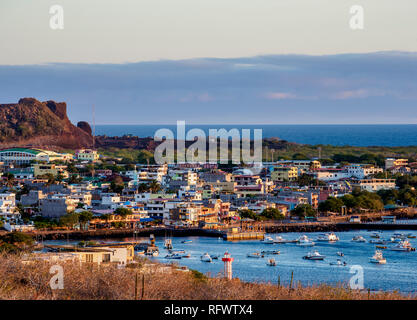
x=315 y=255
x=378 y=258
x=305 y=241
x=206 y=258
x=330 y=237
x=358 y=239
x=268 y=240
x=281 y=240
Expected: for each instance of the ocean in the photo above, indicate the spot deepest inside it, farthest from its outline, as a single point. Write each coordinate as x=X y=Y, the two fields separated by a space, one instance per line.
x=337 y=135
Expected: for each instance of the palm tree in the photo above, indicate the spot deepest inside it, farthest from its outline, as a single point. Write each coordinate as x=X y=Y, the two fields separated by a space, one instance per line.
x=154 y=186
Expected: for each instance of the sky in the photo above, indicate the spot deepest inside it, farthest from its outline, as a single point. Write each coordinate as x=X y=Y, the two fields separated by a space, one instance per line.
x=217 y=61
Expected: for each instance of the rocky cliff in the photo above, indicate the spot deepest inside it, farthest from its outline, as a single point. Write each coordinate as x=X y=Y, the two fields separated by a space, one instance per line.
x=32 y=123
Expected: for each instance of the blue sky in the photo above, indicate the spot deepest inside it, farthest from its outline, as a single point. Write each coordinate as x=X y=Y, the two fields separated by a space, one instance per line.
x=274 y=89
x=222 y=62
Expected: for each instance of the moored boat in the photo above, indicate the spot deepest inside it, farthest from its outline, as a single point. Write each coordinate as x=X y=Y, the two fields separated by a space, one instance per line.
x=254 y=255
x=402 y=246
x=305 y=241
x=329 y=237
x=358 y=239
x=378 y=258
x=173 y=256
x=270 y=252
x=206 y=258
x=267 y=240
x=338 y=262
x=315 y=255
x=271 y=262
x=186 y=241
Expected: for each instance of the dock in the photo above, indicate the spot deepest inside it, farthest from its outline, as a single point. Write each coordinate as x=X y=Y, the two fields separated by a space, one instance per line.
x=238 y=236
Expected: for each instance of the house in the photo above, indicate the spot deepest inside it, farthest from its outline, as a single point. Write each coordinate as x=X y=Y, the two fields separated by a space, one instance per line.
x=87 y=155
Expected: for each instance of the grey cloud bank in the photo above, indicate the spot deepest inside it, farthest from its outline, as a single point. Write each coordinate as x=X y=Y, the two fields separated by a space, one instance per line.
x=275 y=89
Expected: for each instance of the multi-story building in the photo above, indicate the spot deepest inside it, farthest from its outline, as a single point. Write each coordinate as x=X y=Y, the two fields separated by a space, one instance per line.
x=8 y=206
x=87 y=155
x=284 y=174
x=56 y=206
x=361 y=171
x=374 y=185
x=44 y=169
x=392 y=162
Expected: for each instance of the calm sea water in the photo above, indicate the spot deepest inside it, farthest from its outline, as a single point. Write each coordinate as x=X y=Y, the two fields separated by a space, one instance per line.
x=339 y=135
x=400 y=272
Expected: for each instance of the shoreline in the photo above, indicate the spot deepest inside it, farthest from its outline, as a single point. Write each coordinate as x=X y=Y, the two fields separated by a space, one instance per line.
x=199 y=232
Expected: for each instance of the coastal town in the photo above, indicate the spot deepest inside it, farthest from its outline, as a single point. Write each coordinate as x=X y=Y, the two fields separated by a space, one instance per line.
x=45 y=192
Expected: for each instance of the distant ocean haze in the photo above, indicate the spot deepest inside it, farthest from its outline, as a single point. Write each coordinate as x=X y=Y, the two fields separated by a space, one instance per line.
x=337 y=135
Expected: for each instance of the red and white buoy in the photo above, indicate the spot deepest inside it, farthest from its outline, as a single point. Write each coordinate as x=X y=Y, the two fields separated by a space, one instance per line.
x=227 y=259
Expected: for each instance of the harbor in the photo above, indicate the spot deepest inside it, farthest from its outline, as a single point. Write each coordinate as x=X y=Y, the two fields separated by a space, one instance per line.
x=287 y=254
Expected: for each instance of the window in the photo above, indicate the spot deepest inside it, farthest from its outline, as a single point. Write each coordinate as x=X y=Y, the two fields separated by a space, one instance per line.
x=106 y=257
x=89 y=257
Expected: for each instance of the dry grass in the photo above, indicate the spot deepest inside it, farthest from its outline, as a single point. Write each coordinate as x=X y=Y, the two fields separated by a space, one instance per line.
x=31 y=281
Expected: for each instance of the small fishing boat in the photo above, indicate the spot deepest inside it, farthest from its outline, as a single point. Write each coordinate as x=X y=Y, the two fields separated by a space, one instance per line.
x=403 y=246
x=206 y=258
x=375 y=235
x=213 y=256
x=140 y=253
x=187 y=255
x=271 y=262
x=381 y=247
x=256 y=255
x=378 y=258
x=340 y=254
x=304 y=241
x=186 y=241
x=173 y=256
x=315 y=255
x=338 y=262
x=328 y=237
x=411 y=236
x=271 y=252
x=267 y=240
x=358 y=239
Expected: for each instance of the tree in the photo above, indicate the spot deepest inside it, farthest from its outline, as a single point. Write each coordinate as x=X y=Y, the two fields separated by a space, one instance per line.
x=332 y=204
x=145 y=156
x=272 y=213
x=9 y=179
x=84 y=217
x=117 y=184
x=123 y=212
x=303 y=210
x=249 y=214
x=74 y=179
x=69 y=220
x=154 y=186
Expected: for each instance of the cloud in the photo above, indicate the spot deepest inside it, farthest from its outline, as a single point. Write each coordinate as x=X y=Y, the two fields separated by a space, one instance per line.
x=280 y=95
x=357 y=94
